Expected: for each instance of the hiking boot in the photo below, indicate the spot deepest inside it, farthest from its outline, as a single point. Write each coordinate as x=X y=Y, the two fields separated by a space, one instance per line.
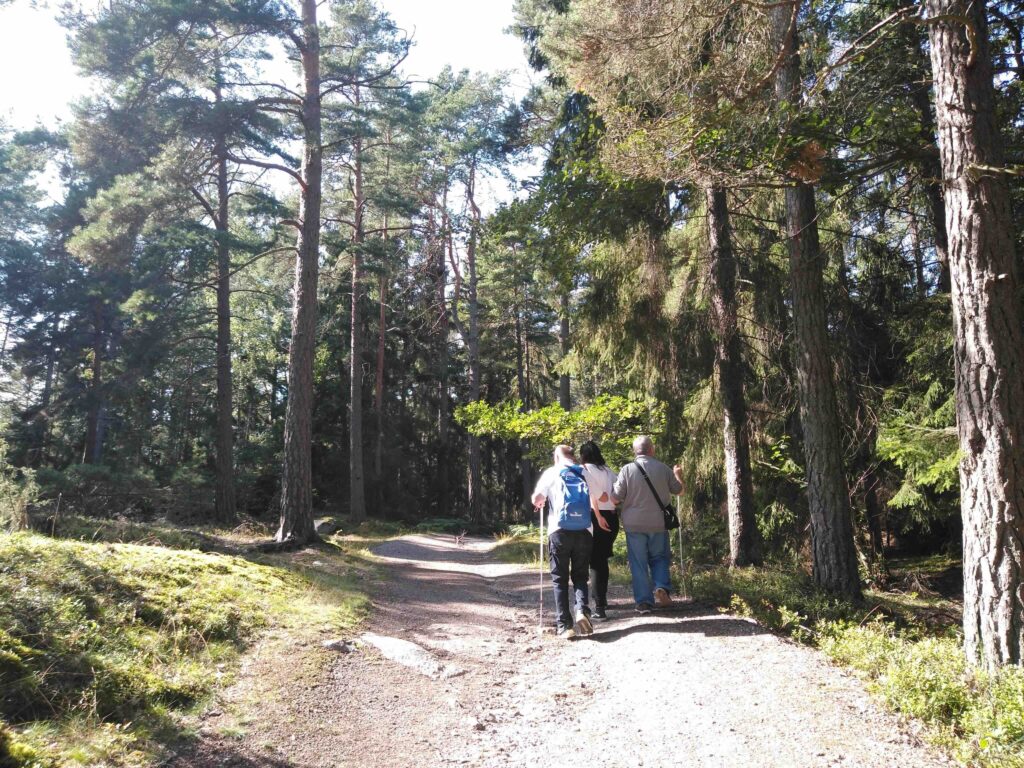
x=661 y=598
x=599 y=613
x=644 y=608
x=567 y=633
x=583 y=626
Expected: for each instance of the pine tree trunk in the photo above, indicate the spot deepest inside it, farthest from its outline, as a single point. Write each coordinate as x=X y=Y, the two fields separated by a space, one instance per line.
x=564 y=393
x=296 y=475
x=920 y=284
x=441 y=299
x=525 y=470
x=357 y=490
x=832 y=546
x=93 y=453
x=743 y=538
x=43 y=420
x=873 y=510
x=378 y=396
x=7 y=336
x=988 y=342
x=931 y=168
x=225 y=482
x=473 y=350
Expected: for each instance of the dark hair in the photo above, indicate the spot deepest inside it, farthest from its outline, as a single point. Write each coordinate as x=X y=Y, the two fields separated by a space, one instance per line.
x=591 y=454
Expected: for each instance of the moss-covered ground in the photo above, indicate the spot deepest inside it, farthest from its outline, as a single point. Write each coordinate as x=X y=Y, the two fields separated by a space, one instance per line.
x=105 y=644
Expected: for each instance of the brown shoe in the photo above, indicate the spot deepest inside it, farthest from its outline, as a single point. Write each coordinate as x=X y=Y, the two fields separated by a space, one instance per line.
x=661 y=598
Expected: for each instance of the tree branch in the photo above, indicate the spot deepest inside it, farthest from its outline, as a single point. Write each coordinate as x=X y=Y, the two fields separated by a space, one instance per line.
x=270 y=167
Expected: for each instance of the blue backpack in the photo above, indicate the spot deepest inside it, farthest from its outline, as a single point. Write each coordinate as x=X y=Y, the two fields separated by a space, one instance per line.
x=575 y=512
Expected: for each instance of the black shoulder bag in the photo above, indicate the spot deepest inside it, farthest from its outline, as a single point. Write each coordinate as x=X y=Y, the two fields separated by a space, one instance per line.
x=671 y=518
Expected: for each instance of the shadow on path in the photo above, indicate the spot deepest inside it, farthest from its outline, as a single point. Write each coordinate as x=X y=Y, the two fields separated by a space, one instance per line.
x=209 y=751
x=709 y=626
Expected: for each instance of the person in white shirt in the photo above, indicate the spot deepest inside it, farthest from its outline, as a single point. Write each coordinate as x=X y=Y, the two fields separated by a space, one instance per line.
x=570 y=538
x=605 y=521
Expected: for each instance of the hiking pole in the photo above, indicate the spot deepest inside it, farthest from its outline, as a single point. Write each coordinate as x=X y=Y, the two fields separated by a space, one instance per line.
x=682 y=565
x=540 y=591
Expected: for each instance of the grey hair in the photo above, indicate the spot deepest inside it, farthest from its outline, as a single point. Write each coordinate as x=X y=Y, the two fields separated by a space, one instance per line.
x=566 y=452
x=643 y=446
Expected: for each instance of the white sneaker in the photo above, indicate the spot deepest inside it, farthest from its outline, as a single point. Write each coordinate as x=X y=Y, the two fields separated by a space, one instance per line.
x=583 y=625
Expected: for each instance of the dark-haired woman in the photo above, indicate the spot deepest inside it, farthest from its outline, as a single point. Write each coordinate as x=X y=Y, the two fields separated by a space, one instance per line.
x=606 y=522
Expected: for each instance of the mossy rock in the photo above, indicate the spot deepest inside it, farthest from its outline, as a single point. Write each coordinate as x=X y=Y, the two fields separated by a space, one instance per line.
x=14 y=754
x=17 y=679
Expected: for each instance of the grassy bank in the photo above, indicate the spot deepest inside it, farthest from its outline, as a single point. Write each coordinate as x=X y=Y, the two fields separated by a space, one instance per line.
x=103 y=645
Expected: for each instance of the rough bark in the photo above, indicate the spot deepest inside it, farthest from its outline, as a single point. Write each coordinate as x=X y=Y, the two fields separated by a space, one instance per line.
x=525 y=470
x=378 y=396
x=42 y=419
x=743 y=538
x=443 y=327
x=225 y=469
x=357 y=490
x=873 y=509
x=94 y=427
x=832 y=547
x=7 y=335
x=988 y=341
x=931 y=169
x=564 y=393
x=473 y=349
x=296 y=475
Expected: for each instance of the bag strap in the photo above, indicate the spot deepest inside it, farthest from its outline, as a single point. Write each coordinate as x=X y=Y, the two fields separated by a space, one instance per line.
x=578 y=474
x=650 y=485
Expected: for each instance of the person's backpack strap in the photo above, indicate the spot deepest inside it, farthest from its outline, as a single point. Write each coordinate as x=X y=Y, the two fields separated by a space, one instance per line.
x=578 y=474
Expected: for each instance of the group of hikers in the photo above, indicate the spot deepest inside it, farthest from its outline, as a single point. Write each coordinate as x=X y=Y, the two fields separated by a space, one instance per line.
x=587 y=503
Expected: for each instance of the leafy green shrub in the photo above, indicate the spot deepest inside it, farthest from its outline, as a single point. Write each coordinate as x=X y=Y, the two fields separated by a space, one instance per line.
x=612 y=421
x=995 y=719
x=928 y=680
x=865 y=648
x=783 y=599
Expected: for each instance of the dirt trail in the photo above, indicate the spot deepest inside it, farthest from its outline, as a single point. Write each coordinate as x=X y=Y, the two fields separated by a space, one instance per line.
x=690 y=687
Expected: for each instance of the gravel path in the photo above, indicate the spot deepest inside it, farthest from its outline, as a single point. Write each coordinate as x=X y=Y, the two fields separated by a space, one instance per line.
x=454 y=672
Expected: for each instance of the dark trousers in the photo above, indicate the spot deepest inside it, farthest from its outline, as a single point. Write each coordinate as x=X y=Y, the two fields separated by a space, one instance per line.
x=602 y=552
x=570 y=559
